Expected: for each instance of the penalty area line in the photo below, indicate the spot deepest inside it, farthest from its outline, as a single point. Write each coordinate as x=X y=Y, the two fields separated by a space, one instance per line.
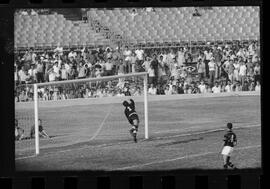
x=183 y=157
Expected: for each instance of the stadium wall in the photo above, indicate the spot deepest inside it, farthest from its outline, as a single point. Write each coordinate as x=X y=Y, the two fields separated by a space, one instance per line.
x=115 y=100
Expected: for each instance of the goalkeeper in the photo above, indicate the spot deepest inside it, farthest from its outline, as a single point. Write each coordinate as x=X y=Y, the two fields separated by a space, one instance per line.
x=132 y=117
x=42 y=132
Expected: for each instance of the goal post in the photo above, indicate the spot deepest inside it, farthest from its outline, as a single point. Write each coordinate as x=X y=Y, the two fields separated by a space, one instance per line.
x=144 y=75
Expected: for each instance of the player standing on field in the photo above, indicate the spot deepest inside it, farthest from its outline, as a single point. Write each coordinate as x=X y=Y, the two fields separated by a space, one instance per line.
x=132 y=117
x=229 y=142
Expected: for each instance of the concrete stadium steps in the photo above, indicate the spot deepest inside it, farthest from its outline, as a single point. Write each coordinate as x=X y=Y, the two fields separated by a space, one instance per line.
x=48 y=30
x=220 y=23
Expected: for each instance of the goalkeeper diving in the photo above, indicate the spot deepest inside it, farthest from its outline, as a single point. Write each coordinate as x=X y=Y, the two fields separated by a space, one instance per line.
x=132 y=117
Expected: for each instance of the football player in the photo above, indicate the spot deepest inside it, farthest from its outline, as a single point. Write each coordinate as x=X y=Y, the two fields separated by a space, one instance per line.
x=132 y=117
x=230 y=141
x=18 y=131
x=42 y=132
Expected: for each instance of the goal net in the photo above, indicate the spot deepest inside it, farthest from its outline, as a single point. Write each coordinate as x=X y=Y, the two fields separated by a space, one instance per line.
x=80 y=112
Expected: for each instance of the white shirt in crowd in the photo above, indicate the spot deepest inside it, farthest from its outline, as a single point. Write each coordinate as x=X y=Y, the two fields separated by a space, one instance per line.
x=181 y=58
x=22 y=75
x=72 y=54
x=258 y=88
x=202 y=88
x=152 y=91
x=211 y=66
x=52 y=76
x=216 y=89
x=236 y=67
x=146 y=65
x=139 y=54
x=151 y=72
x=108 y=66
x=127 y=54
x=32 y=72
x=228 y=88
x=56 y=69
x=67 y=67
x=208 y=55
x=170 y=57
x=242 y=70
x=59 y=50
x=64 y=74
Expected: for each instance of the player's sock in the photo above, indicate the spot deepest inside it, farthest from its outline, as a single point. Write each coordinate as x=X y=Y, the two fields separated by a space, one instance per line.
x=225 y=166
x=131 y=132
x=135 y=137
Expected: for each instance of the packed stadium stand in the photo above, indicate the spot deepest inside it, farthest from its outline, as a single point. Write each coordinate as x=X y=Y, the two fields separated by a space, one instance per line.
x=158 y=26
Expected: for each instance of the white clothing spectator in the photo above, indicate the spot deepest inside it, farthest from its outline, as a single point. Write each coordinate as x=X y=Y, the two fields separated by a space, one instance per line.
x=64 y=73
x=152 y=90
x=139 y=54
x=127 y=53
x=72 y=54
x=22 y=75
x=216 y=89
x=52 y=75
x=180 y=57
x=146 y=64
x=168 y=90
x=228 y=88
x=151 y=72
x=242 y=70
x=208 y=55
x=258 y=87
x=59 y=50
x=202 y=87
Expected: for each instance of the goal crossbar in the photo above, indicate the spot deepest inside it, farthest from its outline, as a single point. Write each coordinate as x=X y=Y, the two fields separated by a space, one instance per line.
x=106 y=78
x=92 y=79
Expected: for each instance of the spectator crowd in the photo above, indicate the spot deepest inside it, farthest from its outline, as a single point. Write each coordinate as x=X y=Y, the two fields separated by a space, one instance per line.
x=172 y=70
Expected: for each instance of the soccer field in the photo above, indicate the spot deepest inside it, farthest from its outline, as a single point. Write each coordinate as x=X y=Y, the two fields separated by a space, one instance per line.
x=184 y=132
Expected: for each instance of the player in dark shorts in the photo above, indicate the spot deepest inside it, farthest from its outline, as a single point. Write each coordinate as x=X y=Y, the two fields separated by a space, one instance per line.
x=132 y=117
x=230 y=141
x=42 y=132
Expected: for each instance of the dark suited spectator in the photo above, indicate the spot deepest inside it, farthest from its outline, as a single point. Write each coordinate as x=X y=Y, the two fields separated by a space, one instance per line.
x=40 y=73
x=257 y=73
x=180 y=88
x=217 y=54
x=154 y=64
x=160 y=90
x=201 y=69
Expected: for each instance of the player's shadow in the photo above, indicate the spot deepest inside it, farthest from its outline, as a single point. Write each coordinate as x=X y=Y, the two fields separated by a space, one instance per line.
x=179 y=142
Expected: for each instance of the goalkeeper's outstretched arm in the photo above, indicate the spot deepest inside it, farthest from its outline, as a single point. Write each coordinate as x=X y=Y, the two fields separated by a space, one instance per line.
x=132 y=103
